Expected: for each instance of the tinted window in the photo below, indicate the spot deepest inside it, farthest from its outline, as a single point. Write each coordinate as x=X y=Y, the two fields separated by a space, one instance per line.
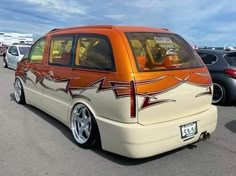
x=36 y=54
x=61 y=50
x=14 y=51
x=23 y=50
x=208 y=58
x=10 y=49
x=155 y=51
x=94 y=53
x=231 y=59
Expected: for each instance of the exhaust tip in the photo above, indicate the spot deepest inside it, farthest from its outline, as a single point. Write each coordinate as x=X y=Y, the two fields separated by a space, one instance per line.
x=205 y=136
x=208 y=136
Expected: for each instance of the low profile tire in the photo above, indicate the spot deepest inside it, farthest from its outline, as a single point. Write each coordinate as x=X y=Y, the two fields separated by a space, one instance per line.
x=84 y=127
x=219 y=94
x=5 y=63
x=19 y=92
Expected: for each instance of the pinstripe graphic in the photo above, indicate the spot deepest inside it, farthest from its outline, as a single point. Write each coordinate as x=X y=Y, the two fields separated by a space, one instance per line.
x=150 y=98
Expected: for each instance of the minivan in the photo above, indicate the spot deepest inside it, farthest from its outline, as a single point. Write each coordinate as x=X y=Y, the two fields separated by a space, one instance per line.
x=134 y=91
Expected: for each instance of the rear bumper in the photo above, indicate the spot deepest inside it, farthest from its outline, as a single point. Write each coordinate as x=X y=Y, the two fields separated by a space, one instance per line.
x=137 y=141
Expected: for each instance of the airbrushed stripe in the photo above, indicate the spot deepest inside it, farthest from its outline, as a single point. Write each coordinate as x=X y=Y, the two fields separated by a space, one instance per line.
x=150 y=98
x=202 y=74
x=207 y=92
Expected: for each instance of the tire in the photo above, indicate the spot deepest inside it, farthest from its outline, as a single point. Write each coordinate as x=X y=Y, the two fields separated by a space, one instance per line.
x=84 y=127
x=219 y=94
x=5 y=63
x=19 y=92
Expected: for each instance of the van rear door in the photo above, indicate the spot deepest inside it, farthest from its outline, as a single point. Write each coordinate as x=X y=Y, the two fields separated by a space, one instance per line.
x=171 y=81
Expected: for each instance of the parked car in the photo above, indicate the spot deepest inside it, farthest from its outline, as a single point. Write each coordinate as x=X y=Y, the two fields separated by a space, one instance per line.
x=137 y=91
x=222 y=67
x=14 y=54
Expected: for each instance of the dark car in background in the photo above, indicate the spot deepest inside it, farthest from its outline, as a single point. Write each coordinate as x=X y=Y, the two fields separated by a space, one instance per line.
x=222 y=67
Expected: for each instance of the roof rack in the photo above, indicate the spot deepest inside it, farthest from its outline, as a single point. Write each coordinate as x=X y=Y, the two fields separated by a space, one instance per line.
x=84 y=27
x=97 y=26
x=165 y=29
x=54 y=29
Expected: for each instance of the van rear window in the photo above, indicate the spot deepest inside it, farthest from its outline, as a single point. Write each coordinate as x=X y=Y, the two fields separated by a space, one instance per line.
x=158 y=51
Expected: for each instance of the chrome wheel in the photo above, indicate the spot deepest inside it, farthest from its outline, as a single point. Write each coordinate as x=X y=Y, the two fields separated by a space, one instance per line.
x=218 y=93
x=18 y=90
x=81 y=123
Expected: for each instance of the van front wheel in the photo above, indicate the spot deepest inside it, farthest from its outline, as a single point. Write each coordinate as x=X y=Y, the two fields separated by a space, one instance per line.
x=19 y=92
x=84 y=127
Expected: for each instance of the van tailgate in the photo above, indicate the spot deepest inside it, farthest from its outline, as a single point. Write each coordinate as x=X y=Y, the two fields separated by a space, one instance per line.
x=169 y=95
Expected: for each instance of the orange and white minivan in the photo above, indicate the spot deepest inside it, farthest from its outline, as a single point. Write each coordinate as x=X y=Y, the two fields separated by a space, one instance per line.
x=137 y=91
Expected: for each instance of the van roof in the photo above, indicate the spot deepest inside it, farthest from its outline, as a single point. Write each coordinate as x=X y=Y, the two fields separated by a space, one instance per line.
x=112 y=27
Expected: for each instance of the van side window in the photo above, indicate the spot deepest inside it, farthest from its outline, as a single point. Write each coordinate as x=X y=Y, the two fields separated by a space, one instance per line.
x=36 y=54
x=61 y=50
x=94 y=53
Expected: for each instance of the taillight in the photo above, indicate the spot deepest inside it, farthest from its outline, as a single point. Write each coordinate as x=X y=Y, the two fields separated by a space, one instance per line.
x=132 y=100
x=230 y=72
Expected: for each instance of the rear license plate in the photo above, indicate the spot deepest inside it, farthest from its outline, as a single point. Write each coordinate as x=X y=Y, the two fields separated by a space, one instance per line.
x=188 y=130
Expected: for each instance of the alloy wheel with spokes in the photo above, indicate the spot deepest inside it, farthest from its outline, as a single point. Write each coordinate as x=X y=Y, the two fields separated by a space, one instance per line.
x=83 y=126
x=218 y=94
x=19 y=93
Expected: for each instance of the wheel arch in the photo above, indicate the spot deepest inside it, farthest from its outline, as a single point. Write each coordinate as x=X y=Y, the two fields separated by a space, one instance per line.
x=77 y=101
x=221 y=85
x=22 y=99
x=84 y=101
x=22 y=82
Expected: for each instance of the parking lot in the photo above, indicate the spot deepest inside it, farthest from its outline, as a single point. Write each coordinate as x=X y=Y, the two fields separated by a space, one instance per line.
x=33 y=143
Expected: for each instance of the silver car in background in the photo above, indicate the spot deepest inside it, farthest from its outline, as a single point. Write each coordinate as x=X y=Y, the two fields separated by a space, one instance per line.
x=14 y=54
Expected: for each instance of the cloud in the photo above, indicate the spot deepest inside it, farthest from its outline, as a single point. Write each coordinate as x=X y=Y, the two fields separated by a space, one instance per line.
x=202 y=22
x=115 y=16
x=59 y=6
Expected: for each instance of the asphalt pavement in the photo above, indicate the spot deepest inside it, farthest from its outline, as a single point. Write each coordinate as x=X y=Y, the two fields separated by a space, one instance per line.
x=32 y=143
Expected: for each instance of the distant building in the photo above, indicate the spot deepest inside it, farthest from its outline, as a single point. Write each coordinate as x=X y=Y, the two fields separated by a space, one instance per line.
x=10 y=38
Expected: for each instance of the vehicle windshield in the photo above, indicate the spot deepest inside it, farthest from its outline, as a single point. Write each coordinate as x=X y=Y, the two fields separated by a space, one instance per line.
x=231 y=59
x=23 y=50
x=157 y=51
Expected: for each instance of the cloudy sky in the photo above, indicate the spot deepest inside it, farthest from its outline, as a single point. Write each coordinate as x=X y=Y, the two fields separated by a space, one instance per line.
x=204 y=22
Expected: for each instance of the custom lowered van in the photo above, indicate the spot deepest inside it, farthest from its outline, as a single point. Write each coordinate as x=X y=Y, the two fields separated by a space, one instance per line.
x=137 y=91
